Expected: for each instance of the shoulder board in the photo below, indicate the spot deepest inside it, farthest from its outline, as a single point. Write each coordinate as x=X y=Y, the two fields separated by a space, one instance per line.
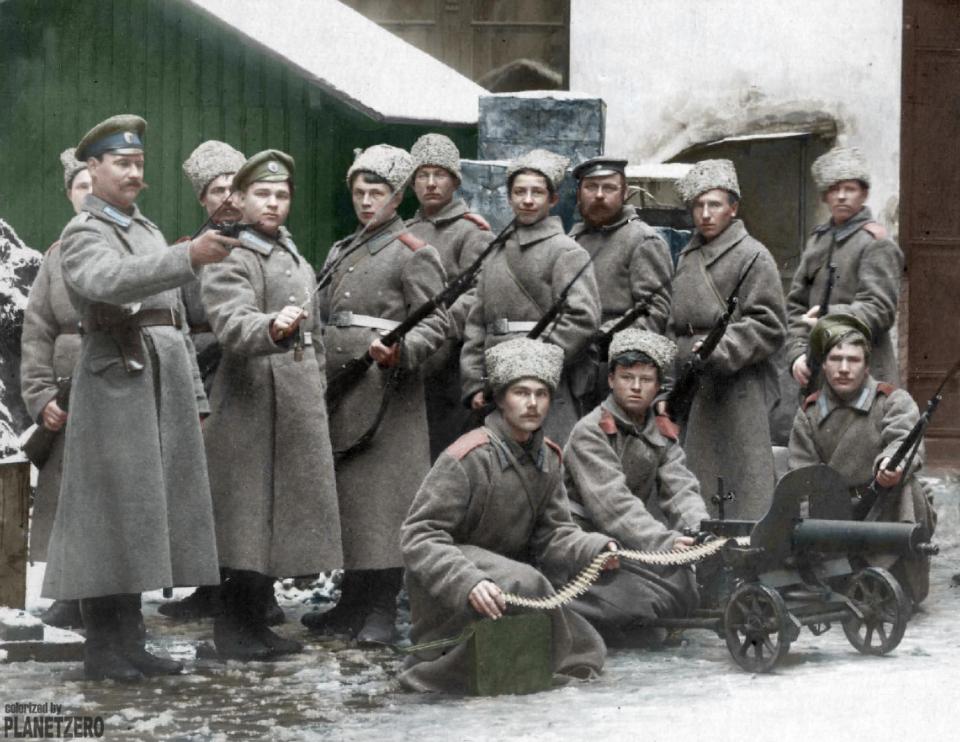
x=116 y=216
x=556 y=449
x=467 y=442
x=885 y=389
x=667 y=427
x=478 y=220
x=254 y=242
x=811 y=399
x=182 y=239
x=607 y=424
x=875 y=230
x=411 y=240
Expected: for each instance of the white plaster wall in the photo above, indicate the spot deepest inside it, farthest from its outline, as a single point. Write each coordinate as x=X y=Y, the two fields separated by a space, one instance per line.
x=680 y=72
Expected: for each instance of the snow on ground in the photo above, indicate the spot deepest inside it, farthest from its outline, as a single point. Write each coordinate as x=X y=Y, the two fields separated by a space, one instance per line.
x=823 y=689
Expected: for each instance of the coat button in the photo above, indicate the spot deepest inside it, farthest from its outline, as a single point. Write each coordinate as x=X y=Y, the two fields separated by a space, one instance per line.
x=289 y=273
x=350 y=269
x=292 y=297
x=346 y=293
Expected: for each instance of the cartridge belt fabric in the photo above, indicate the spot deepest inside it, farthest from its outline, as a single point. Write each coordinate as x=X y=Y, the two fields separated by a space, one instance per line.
x=351 y=319
x=505 y=327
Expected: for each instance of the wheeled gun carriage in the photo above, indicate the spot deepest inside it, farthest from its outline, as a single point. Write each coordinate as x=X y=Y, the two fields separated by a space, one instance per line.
x=805 y=565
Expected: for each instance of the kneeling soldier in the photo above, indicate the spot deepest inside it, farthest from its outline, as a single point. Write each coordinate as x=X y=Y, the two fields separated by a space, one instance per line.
x=627 y=476
x=855 y=424
x=492 y=506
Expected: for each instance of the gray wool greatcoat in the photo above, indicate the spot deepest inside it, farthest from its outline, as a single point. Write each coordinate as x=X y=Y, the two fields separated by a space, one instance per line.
x=200 y=332
x=459 y=237
x=474 y=519
x=387 y=278
x=50 y=346
x=867 y=285
x=853 y=438
x=727 y=433
x=135 y=511
x=267 y=441
x=631 y=482
x=519 y=283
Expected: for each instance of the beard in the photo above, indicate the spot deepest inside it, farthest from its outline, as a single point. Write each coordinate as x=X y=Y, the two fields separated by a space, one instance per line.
x=598 y=214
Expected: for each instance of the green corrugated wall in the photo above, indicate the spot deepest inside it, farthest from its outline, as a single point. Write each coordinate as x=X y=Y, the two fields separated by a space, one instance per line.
x=68 y=64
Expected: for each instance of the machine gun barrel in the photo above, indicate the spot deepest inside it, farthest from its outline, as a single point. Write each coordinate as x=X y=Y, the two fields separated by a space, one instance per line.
x=860 y=537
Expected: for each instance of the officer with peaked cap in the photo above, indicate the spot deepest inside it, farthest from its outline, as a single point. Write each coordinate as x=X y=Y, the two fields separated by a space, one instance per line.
x=727 y=434
x=135 y=511
x=868 y=266
x=854 y=424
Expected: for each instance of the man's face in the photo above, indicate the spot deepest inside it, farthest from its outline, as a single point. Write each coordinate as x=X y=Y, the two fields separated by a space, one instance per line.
x=116 y=178
x=434 y=187
x=845 y=369
x=371 y=198
x=79 y=189
x=845 y=199
x=524 y=405
x=216 y=193
x=601 y=198
x=634 y=388
x=266 y=204
x=530 y=198
x=713 y=212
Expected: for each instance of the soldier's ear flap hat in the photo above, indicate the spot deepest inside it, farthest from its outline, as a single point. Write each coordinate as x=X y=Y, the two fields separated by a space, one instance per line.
x=661 y=350
x=71 y=166
x=121 y=134
x=707 y=175
x=837 y=328
x=210 y=160
x=271 y=165
x=391 y=163
x=523 y=358
x=439 y=151
x=840 y=163
x=549 y=164
x=596 y=167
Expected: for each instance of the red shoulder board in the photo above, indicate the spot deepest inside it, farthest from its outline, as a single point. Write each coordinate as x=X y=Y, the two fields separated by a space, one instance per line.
x=411 y=240
x=667 y=427
x=875 y=230
x=556 y=449
x=478 y=220
x=467 y=442
x=811 y=399
x=607 y=424
x=886 y=389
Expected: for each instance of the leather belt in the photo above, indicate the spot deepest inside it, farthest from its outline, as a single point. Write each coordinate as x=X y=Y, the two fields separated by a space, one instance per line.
x=506 y=327
x=351 y=319
x=200 y=328
x=143 y=318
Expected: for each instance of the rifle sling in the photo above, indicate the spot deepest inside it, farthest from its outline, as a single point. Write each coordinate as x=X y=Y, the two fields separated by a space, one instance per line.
x=366 y=438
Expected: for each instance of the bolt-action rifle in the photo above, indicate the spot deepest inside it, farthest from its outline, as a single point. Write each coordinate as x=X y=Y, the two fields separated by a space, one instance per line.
x=603 y=337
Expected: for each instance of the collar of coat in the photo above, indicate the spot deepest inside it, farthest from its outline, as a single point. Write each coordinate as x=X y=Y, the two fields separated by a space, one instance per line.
x=627 y=214
x=379 y=238
x=546 y=228
x=105 y=211
x=502 y=442
x=719 y=245
x=849 y=227
x=828 y=402
x=261 y=243
x=451 y=211
x=648 y=431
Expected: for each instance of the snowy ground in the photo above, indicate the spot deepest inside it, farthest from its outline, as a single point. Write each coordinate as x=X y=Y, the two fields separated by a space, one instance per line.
x=823 y=689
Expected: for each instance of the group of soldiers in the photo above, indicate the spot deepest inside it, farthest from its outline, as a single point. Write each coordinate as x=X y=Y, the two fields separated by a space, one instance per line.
x=497 y=443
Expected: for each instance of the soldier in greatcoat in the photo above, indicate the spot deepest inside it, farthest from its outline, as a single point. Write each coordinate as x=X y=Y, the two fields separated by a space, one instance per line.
x=378 y=276
x=268 y=445
x=444 y=221
x=868 y=266
x=135 y=511
x=854 y=424
x=523 y=279
x=50 y=346
x=727 y=434
x=627 y=477
x=492 y=507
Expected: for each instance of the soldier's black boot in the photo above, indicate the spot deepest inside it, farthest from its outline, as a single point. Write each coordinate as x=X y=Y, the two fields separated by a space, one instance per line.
x=261 y=590
x=347 y=616
x=133 y=635
x=380 y=625
x=103 y=657
x=201 y=603
x=235 y=627
x=64 y=614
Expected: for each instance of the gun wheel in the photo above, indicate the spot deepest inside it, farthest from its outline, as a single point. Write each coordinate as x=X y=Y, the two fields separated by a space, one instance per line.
x=756 y=627
x=885 y=609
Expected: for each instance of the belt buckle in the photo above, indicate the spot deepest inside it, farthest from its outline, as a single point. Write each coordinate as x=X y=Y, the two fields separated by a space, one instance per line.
x=173 y=317
x=344 y=319
x=501 y=326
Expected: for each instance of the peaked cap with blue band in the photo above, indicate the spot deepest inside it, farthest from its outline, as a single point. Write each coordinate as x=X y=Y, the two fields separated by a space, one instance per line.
x=122 y=134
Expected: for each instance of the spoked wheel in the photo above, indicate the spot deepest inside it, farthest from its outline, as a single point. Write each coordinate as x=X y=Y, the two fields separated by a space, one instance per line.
x=757 y=627
x=879 y=597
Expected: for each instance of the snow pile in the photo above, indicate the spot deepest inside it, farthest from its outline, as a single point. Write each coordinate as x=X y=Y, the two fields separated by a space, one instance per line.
x=17 y=617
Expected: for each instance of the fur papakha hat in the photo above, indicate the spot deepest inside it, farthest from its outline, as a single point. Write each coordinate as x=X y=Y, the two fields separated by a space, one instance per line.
x=705 y=176
x=549 y=164
x=660 y=349
x=437 y=150
x=210 y=160
x=71 y=166
x=834 y=329
x=840 y=163
x=391 y=163
x=523 y=358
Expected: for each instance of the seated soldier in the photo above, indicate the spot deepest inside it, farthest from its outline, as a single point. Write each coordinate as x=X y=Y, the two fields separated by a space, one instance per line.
x=627 y=476
x=855 y=424
x=493 y=505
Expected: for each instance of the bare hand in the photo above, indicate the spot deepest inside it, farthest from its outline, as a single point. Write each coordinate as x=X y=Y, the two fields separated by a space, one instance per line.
x=286 y=322
x=889 y=478
x=487 y=599
x=384 y=356
x=812 y=315
x=210 y=247
x=477 y=401
x=801 y=371
x=696 y=346
x=614 y=561
x=682 y=543
x=53 y=417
